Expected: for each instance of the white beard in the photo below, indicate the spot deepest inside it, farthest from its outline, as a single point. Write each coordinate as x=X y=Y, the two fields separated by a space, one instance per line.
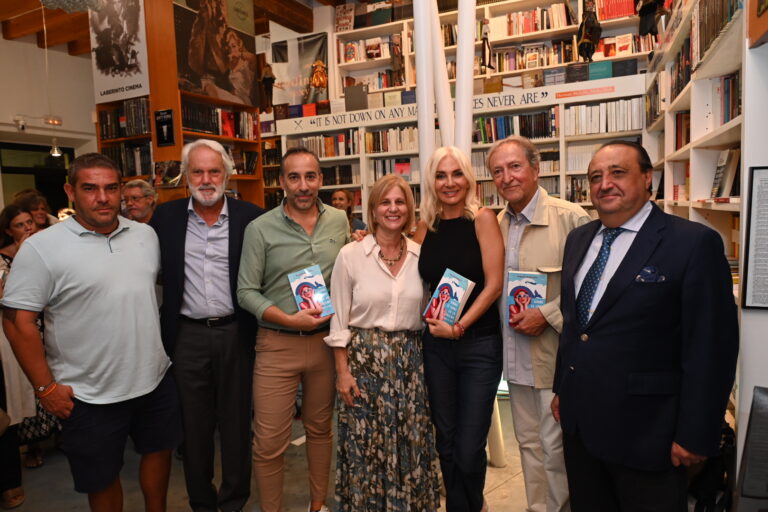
x=211 y=200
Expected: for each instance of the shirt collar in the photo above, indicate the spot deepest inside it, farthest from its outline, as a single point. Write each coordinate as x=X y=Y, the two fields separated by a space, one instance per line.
x=320 y=208
x=529 y=210
x=636 y=221
x=223 y=214
x=80 y=230
x=369 y=244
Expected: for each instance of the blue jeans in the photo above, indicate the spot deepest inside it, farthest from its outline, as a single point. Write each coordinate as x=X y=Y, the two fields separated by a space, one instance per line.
x=462 y=377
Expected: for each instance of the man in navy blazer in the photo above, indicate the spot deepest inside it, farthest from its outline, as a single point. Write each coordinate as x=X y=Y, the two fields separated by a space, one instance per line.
x=207 y=334
x=649 y=344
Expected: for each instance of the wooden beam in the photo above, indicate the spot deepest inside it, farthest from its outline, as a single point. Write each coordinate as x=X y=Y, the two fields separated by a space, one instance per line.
x=74 y=27
x=261 y=26
x=331 y=2
x=12 y=8
x=80 y=45
x=288 y=13
x=32 y=22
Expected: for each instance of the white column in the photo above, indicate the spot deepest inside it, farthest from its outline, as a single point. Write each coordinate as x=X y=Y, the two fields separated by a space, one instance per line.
x=425 y=97
x=442 y=87
x=465 y=53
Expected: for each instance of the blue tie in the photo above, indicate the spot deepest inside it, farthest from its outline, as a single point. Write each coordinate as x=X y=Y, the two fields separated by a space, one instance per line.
x=589 y=286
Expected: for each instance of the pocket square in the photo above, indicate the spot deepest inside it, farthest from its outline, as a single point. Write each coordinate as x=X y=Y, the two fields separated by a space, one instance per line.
x=650 y=274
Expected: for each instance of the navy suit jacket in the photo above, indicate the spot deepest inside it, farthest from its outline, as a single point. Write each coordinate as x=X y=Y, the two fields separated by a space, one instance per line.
x=656 y=361
x=170 y=224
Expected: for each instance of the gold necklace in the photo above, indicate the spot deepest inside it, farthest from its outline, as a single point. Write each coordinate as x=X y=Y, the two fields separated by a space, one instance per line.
x=391 y=261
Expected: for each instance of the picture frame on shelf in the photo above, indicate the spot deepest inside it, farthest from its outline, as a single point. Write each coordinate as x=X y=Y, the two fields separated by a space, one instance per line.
x=755 y=270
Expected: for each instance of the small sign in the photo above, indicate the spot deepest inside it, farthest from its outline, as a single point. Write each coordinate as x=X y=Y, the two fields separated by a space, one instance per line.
x=164 y=127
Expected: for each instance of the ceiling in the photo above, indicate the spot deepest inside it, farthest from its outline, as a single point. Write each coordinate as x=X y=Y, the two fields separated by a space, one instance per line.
x=25 y=17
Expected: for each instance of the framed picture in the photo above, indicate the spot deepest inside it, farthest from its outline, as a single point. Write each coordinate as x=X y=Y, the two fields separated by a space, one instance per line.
x=755 y=275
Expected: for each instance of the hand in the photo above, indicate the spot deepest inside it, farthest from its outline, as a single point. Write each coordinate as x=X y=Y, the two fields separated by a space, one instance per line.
x=555 y=406
x=306 y=319
x=529 y=321
x=440 y=328
x=346 y=385
x=358 y=235
x=59 y=402
x=682 y=456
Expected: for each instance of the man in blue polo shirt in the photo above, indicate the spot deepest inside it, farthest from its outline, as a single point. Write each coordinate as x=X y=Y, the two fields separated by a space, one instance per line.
x=103 y=368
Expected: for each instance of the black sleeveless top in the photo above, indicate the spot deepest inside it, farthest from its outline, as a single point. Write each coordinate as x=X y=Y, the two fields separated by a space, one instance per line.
x=454 y=245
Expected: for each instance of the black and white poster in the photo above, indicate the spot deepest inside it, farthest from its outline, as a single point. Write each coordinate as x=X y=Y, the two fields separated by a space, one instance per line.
x=119 y=50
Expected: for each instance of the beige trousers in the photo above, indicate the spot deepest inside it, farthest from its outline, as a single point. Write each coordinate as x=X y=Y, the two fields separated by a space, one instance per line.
x=282 y=361
x=541 y=449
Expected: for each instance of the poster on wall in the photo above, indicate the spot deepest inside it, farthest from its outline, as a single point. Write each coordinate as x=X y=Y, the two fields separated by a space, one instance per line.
x=119 y=50
x=300 y=67
x=215 y=49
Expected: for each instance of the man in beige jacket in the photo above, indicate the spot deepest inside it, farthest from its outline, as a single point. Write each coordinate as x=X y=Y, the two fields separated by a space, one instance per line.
x=535 y=226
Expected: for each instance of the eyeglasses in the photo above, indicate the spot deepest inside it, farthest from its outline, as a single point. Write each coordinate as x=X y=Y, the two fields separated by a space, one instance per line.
x=132 y=199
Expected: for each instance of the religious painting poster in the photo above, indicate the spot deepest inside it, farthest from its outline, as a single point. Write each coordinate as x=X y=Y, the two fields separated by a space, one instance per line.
x=215 y=49
x=300 y=67
x=119 y=50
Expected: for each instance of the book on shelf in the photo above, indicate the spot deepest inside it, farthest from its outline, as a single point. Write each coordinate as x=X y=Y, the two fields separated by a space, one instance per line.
x=133 y=158
x=310 y=292
x=527 y=290
x=578 y=189
x=341 y=174
x=681 y=183
x=540 y=18
x=707 y=22
x=345 y=17
x=375 y=100
x=450 y=297
x=403 y=168
x=533 y=125
x=308 y=109
x=608 y=116
x=682 y=128
x=625 y=67
x=281 y=111
x=554 y=76
x=408 y=97
x=392 y=98
x=395 y=138
x=356 y=97
x=725 y=173
x=577 y=72
x=612 y=9
x=128 y=119
x=204 y=118
x=323 y=107
x=681 y=69
x=533 y=78
x=624 y=45
x=600 y=69
x=295 y=111
x=408 y=168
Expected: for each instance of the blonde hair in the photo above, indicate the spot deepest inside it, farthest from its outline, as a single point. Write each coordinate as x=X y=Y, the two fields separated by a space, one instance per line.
x=430 y=204
x=380 y=189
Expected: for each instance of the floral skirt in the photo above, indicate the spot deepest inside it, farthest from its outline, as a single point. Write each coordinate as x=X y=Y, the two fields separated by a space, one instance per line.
x=386 y=459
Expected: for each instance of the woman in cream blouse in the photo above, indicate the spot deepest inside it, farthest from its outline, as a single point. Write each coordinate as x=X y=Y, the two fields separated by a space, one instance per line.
x=385 y=442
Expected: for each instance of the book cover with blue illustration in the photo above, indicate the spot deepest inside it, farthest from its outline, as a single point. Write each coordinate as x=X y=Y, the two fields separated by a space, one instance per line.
x=525 y=290
x=449 y=298
x=309 y=290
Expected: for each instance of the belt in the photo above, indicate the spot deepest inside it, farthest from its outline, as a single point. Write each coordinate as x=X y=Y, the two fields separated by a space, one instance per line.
x=297 y=333
x=215 y=321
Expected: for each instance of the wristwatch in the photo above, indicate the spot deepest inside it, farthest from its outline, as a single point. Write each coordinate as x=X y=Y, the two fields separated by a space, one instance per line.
x=40 y=389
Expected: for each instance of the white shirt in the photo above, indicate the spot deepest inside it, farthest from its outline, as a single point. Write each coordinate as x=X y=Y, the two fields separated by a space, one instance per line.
x=619 y=249
x=366 y=295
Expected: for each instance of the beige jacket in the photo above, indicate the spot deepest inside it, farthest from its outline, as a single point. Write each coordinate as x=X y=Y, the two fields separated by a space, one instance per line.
x=541 y=250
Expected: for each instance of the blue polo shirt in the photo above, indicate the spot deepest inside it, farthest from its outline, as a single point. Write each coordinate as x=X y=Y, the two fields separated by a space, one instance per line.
x=102 y=330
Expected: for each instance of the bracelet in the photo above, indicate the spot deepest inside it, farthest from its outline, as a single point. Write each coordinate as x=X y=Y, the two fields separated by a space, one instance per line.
x=462 y=330
x=49 y=389
x=453 y=332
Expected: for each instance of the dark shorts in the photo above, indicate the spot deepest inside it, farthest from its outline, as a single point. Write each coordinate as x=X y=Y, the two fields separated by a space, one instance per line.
x=95 y=435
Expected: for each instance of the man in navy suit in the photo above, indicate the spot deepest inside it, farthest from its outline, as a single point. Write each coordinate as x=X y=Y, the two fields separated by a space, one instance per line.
x=208 y=336
x=649 y=343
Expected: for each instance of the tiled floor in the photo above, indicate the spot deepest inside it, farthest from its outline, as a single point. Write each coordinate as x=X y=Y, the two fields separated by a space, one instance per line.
x=49 y=488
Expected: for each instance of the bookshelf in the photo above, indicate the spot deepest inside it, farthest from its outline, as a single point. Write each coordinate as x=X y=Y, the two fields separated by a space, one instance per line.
x=694 y=112
x=124 y=134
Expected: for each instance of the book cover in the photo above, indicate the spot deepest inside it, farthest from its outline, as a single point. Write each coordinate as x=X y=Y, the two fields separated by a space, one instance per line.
x=323 y=107
x=407 y=97
x=356 y=97
x=624 y=45
x=602 y=69
x=345 y=17
x=308 y=110
x=375 y=100
x=373 y=48
x=281 y=111
x=403 y=168
x=577 y=72
x=450 y=297
x=625 y=67
x=392 y=98
x=309 y=290
x=527 y=290
x=534 y=78
x=294 y=111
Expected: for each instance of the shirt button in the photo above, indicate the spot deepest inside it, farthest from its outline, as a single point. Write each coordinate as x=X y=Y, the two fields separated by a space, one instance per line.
x=584 y=337
x=571 y=368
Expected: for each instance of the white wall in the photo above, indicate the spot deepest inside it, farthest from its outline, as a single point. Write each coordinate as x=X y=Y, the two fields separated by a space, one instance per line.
x=23 y=92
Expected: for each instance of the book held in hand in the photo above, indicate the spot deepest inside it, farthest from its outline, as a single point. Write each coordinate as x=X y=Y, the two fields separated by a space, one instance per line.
x=526 y=290
x=449 y=298
x=309 y=290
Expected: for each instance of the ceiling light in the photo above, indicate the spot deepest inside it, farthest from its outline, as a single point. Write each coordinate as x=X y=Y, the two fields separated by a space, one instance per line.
x=55 y=150
x=52 y=120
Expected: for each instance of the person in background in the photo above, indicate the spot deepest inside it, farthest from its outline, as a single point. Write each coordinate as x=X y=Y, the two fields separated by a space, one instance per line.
x=139 y=198
x=16 y=396
x=104 y=372
x=209 y=338
x=648 y=349
x=33 y=201
x=297 y=234
x=344 y=199
x=462 y=362
x=385 y=442
x=534 y=225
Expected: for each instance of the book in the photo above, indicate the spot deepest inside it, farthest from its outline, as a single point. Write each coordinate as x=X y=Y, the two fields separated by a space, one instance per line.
x=392 y=98
x=403 y=168
x=323 y=107
x=294 y=111
x=345 y=17
x=577 y=72
x=602 y=69
x=625 y=67
x=624 y=45
x=450 y=297
x=376 y=100
x=407 y=97
x=356 y=97
x=527 y=290
x=309 y=290
x=308 y=109
x=281 y=111
x=725 y=172
x=533 y=78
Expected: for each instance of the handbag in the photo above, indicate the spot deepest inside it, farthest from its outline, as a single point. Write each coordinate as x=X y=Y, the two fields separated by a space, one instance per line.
x=38 y=427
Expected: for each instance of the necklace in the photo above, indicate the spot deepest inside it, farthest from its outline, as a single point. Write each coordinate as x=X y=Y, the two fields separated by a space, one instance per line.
x=391 y=261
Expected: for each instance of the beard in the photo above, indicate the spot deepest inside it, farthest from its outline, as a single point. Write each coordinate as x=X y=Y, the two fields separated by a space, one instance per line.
x=209 y=200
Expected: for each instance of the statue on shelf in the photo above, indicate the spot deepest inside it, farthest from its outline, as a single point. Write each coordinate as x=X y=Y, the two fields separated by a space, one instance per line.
x=486 y=48
x=589 y=31
x=650 y=11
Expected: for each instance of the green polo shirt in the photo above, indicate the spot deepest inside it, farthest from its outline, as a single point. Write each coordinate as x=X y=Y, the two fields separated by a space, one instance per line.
x=274 y=245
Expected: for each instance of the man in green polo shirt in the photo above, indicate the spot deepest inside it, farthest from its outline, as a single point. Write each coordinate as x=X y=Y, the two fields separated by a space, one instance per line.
x=289 y=347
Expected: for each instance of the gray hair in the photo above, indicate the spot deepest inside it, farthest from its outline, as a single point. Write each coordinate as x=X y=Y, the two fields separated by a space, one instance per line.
x=532 y=153
x=229 y=165
x=145 y=187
